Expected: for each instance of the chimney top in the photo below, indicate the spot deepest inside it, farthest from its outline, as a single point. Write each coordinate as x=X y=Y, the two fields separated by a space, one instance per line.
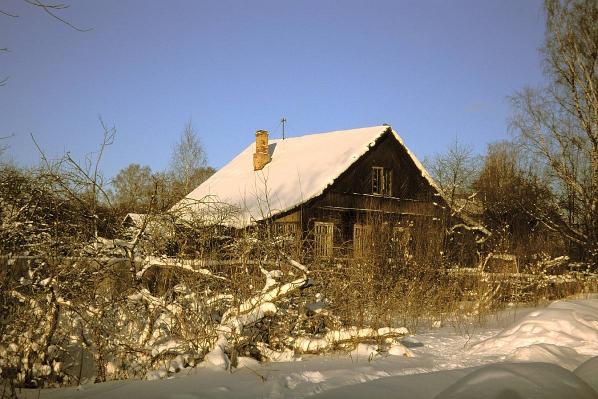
x=261 y=157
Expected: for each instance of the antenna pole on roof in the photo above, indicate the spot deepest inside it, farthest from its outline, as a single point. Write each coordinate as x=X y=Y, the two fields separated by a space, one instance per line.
x=283 y=121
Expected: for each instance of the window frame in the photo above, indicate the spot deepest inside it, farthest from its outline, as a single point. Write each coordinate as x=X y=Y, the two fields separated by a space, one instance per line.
x=290 y=232
x=362 y=239
x=377 y=177
x=381 y=179
x=323 y=239
x=387 y=182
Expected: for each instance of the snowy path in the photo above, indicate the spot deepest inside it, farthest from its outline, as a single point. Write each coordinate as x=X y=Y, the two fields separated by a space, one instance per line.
x=444 y=361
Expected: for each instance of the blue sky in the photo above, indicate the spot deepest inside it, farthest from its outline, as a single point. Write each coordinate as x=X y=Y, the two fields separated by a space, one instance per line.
x=433 y=70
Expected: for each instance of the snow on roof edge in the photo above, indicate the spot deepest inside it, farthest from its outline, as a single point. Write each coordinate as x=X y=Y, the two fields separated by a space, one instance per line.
x=435 y=185
x=333 y=178
x=237 y=223
x=369 y=146
x=420 y=166
x=247 y=218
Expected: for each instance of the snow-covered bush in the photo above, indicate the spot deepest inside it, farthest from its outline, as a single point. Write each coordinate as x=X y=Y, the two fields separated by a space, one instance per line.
x=79 y=308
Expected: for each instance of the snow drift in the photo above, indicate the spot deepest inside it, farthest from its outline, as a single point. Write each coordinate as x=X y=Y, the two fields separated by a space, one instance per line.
x=518 y=381
x=570 y=324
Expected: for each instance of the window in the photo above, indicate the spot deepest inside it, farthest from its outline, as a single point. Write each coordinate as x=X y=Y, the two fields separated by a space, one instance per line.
x=286 y=229
x=289 y=236
x=381 y=181
x=323 y=239
x=362 y=239
x=387 y=186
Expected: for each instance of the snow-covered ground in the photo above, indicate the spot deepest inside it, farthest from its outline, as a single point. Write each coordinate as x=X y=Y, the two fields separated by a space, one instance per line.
x=549 y=352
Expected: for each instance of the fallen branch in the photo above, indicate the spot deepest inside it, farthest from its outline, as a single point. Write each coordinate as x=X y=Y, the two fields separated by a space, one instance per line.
x=337 y=337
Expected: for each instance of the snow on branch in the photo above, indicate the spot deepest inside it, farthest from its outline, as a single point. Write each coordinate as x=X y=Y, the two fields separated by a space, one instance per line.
x=294 y=263
x=268 y=296
x=175 y=263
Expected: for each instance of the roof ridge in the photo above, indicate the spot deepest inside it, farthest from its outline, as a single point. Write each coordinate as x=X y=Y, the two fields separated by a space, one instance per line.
x=297 y=173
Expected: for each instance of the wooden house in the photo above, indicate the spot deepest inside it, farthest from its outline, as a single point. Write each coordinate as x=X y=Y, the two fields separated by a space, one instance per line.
x=339 y=193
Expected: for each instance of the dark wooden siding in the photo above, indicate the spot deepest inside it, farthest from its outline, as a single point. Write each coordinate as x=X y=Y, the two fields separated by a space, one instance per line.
x=349 y=200
x=407 y=181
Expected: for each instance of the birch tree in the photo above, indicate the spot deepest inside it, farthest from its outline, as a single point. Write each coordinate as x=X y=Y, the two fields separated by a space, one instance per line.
x=558 y=124
x=456 y=170
x=188 y=162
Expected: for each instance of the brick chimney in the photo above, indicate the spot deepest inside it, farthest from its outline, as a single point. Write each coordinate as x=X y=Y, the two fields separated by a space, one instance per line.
x=261 y=156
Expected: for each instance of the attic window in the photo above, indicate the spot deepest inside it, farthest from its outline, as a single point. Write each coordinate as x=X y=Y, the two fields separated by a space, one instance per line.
x=381 y=181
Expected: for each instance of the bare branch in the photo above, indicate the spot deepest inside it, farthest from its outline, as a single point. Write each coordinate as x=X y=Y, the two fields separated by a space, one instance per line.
x=49 y=8
x=8 y=14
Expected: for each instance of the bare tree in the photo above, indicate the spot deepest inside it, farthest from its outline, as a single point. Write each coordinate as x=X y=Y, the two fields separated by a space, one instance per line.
x=455 y=170
x=558 y=124
x=188 y=163
x=82 y=182
x=133 y=187
x=508 y=190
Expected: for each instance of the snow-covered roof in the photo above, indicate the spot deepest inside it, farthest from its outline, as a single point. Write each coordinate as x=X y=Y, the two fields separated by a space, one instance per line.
x=301 y=169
